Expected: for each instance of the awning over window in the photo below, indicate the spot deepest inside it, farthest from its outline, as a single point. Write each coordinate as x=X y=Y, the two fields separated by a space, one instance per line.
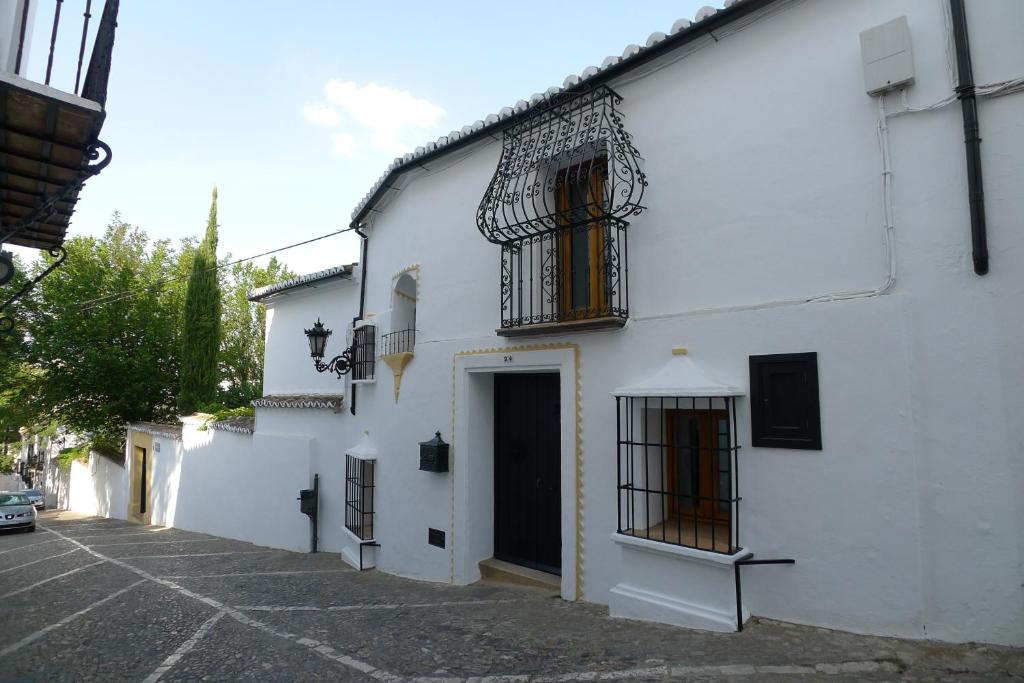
x=680 y=376
x=570 y=161
x=364 y=450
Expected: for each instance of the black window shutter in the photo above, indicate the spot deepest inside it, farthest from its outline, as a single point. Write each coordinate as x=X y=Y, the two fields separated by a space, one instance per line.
x=784 y=409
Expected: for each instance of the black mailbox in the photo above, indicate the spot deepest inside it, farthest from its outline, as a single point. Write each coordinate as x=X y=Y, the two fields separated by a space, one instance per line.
x=307 y=502
x=434 y=454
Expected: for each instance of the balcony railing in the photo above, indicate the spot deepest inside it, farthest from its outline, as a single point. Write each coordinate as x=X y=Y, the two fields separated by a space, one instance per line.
x=572 y=274
x=401 y=341
x=94 y=85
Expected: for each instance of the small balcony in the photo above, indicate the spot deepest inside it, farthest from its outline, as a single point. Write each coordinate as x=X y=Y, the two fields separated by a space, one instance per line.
x=567 y=279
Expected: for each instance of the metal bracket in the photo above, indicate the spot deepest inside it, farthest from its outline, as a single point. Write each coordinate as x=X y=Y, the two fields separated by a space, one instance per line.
x=6 y=322
x=340 y=365
x=739 y=592
x=372 y=544
x=49 y=205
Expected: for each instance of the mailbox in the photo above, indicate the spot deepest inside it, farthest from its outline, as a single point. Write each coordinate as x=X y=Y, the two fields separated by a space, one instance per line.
x=308 y=502
x=434 y=454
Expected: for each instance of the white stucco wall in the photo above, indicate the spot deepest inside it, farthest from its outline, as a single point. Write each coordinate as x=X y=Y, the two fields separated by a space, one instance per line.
x=765 y=190
x=10 y=32
x=97 y=487
x=287 y=362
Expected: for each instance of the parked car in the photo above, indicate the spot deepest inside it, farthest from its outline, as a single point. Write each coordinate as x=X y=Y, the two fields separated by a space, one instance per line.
x=16 y=512
x=35 y=496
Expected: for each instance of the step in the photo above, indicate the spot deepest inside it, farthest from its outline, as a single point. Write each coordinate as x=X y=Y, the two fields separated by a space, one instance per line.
x=499 y=571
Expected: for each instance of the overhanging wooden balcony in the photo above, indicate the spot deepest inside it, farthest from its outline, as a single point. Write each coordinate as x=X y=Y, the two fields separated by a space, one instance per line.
x=49 y=138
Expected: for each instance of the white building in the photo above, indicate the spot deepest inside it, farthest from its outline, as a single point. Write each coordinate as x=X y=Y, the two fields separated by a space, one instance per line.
x=726 y=306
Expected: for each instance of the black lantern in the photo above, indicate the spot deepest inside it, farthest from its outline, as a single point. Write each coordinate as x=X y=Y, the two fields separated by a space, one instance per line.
x=6 y=267
x=318 y=339
x=340 y=365
x=434 y=454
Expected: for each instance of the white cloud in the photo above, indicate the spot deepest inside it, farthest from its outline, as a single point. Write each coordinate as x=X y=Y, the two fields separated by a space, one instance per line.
x=389 y=120
x=344 y=144
x=321 y=114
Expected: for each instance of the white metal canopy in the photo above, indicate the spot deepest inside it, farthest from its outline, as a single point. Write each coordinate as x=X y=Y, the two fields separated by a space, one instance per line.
x=364 y=450
x=680 y=376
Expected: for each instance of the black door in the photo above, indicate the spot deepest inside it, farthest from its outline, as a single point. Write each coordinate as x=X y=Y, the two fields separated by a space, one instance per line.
x=527 y=494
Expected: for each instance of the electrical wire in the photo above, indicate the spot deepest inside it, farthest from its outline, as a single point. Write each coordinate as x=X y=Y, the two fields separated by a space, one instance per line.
x=127 y=294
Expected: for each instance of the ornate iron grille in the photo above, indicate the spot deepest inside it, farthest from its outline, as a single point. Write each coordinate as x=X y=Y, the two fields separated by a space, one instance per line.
x=561 y=144
x=678 y=477
x=359 y=485
x=401 y=341
x=573 y=273
x=364 y=352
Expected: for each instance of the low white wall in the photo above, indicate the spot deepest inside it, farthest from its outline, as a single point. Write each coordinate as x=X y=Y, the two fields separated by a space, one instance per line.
x=98 y=487
x=239 y=486
x=11 y=482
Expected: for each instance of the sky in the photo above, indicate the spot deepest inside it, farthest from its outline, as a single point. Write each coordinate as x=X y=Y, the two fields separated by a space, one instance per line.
x=294 y=109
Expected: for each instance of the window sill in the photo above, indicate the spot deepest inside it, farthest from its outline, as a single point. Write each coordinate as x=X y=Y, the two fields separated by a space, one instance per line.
x=682 y=552
x=606 y=323
x=352 y=536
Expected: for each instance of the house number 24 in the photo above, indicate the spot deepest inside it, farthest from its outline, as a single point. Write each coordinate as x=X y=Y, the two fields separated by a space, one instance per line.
x=508 y=359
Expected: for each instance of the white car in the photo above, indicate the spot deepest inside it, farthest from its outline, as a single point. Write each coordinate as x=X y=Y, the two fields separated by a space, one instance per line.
x=35 y=496
x=16 y=512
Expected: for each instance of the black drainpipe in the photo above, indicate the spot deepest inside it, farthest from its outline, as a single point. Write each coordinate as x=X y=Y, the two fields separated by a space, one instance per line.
x=972 y=136
x=362 y=299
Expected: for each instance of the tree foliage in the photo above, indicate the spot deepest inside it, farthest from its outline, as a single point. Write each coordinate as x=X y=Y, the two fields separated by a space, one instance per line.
x=201 y=330
x=244 y=328
x=104 y=333
x=100 y=341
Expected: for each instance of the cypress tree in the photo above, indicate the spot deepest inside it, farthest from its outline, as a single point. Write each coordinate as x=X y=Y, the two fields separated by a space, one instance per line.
x=201 y=330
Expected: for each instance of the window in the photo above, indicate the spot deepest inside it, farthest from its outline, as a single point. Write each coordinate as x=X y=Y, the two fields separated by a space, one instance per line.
x=784 y=410
x=364 y=352
x=581 y=250
x=677 y=469
x=402 y=337
x=359 y=497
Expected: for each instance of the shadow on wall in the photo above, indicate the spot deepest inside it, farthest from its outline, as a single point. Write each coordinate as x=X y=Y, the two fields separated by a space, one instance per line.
x=98 y=487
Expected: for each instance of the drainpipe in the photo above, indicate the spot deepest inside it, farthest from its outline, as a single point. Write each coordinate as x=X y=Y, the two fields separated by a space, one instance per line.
x=362 y=297
x=972 y=137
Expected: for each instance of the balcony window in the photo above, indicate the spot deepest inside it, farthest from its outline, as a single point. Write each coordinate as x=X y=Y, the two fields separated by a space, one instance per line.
x=568 y=178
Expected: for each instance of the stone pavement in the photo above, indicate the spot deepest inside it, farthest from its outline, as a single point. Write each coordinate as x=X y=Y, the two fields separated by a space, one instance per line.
x=87 y=599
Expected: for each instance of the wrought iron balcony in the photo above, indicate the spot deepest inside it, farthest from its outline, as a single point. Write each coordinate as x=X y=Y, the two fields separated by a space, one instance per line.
x=400 y=341
x=573 y=277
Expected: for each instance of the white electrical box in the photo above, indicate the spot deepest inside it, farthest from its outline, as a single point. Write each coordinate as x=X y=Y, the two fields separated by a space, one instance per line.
x=888 y=59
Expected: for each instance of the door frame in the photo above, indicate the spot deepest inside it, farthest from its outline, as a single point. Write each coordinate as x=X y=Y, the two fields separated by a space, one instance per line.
x=140 y=440
x=472 y=476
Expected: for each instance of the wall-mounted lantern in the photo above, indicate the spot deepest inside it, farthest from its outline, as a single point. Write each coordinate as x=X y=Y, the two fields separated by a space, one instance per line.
x=6 y=267
x=434 y=454
x=340 y=365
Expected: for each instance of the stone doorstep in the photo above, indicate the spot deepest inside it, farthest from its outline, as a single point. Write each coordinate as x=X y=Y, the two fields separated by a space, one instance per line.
x=499 y=571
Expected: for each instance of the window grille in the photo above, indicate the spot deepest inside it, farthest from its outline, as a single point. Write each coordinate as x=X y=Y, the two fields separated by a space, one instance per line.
x=364 y=341
x=574 y=273
x=677 y=471
x=561 y=143
x=359 y=485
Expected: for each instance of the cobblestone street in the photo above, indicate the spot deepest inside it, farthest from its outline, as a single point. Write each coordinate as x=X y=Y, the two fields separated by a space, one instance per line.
x=86 y=599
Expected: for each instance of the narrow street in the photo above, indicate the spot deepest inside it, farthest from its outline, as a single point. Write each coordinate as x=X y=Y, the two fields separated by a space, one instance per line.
x=87 y=599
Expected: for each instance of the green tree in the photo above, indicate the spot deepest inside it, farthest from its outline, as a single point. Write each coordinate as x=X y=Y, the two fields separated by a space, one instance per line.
x=18 y=382
x=103 y=331
x=244 y=329
x=201 y=324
